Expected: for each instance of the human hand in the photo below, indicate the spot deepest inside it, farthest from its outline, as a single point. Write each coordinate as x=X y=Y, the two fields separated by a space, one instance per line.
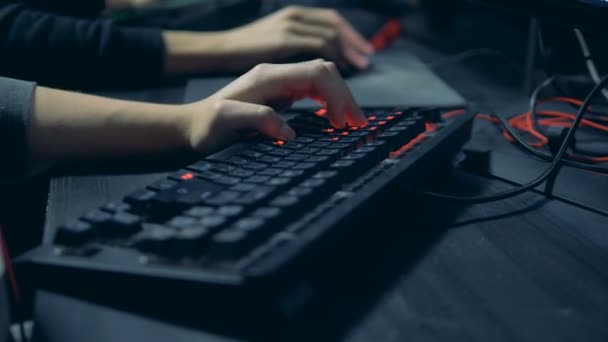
x=245 y=103
x=299 y=30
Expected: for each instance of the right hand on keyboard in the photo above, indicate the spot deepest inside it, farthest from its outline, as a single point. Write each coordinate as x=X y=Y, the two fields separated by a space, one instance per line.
x=244 y=104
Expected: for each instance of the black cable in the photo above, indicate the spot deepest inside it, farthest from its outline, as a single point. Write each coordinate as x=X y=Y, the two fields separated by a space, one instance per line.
x=551 y=170
x=524 y=144
x=533 y=110
x=534 y=100
x=553 y=81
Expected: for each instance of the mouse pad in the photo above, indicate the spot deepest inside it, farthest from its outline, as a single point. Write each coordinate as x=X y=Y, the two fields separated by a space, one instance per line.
x=396 y=78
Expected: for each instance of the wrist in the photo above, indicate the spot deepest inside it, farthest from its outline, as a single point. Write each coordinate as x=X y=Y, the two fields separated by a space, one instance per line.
x=180 y=124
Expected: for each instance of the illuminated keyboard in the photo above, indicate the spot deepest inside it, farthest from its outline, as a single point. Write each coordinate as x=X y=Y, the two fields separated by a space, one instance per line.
x=245 y=225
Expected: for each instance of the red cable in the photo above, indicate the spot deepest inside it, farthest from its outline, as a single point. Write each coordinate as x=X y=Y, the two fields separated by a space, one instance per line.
x=8 y=265
x=453 y=113
x=523 y=123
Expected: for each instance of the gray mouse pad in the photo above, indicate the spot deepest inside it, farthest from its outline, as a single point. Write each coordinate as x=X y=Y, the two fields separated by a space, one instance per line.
x=396 y=78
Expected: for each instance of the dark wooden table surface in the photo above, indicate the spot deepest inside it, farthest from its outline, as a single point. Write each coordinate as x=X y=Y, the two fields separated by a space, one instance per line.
x=529 y=268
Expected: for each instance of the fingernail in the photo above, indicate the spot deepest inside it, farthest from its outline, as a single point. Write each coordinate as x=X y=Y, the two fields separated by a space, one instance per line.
x=287 y=132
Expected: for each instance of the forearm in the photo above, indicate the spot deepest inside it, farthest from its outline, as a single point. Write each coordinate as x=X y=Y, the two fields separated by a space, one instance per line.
x=66 y=125
x=117 y=5
x=199 y=53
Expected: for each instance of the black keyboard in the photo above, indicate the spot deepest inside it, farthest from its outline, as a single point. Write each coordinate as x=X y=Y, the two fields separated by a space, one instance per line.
x=241 y=226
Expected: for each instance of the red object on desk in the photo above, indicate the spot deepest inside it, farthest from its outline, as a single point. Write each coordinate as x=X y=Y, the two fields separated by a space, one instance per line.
x=387 y=34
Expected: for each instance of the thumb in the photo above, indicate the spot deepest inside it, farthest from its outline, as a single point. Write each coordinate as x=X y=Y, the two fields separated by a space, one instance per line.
x=237 y=115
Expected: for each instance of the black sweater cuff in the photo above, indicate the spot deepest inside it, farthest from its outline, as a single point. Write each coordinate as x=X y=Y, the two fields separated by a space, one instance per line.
x=16 y=99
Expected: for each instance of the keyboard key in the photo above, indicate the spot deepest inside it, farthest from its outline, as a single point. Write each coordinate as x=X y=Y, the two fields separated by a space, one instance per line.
x=309 y=150
x=285 y=164
x=210 y=176
x=222 y=198
x=189 y=242
x=116 y=207
x=227 y=180
x=344 y=169
x=258 y=179
x=249 y=224
x=154 y=239
x=170 y=202
x=365 y=136
x=308 y=167
x=356 y=157
x=255 y=195
x=243 y=187
x=222 y=168
x=320 y=144
x=285 y=202
x=75 y=233
x=200 y=166
x=295 y=174
x=182 y=222
x=271 y=171
x=213 y=222
x=270 y=159
x=199 y=212
x=300 y=191
x=313 y=183
x=295 y=157
x=183 y=175
x=279 y=152
x=252 y=154
x=381 y=146
x=311 y=136
x=237 y=161
x=163 y=184
x=263 y=148
x=255 y=166
x=293 y=145
x=304 y=140
x=123 y=224
x=279 y=181
x=332 y=153
x=140 y=199
x=267 y=213
x=392 y=139
x=240 y=173
x=372 y=154
x=344 y=148
x=229 y=244
x=230 y=210
x=350 y=140
x=97 y=217
x=325 y=175
x=321 y=160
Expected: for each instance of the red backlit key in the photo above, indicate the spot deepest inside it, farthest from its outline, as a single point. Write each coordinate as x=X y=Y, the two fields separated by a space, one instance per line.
x=182 y=175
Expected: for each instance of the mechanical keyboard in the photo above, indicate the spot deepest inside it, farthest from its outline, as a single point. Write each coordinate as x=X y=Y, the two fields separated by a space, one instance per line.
x=244 y=225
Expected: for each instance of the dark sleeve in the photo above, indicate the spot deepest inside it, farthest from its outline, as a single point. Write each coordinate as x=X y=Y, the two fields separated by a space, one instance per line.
x=69 y=52
x=15 y=105
x=82 y=8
